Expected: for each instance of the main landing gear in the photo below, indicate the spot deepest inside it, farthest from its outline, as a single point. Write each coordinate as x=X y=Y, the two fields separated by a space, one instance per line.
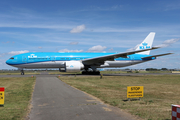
x=22 y=72
x=90 y=73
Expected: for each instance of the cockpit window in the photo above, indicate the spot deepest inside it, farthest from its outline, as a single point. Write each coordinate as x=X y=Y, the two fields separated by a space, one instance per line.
x=12 y=58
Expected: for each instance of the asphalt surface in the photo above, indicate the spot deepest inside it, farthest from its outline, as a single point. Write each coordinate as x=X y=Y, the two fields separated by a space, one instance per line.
x=45 y=74
x=55 y=100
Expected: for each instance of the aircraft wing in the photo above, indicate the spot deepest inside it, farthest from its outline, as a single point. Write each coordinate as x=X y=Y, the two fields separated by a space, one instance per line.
x=100 y=60
x=157 y=55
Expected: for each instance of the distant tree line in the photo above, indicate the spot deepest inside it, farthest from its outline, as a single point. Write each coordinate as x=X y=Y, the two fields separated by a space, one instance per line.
x=155 y=69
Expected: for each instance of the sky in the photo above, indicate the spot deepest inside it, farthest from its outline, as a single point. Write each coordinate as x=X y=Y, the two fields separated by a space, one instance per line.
x=90 y=26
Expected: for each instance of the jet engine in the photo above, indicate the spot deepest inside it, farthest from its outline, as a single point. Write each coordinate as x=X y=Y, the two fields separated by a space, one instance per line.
x=72 y=66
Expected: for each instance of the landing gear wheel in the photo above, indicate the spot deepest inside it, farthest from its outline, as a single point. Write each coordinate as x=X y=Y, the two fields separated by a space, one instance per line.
x=22 y=73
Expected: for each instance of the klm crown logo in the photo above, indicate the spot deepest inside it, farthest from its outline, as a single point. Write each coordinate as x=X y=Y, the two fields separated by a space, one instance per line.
x=32 y=56
x=71 y=66
x=145 y=46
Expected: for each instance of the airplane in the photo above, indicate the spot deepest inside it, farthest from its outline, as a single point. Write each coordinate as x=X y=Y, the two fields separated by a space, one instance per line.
x=76 y=62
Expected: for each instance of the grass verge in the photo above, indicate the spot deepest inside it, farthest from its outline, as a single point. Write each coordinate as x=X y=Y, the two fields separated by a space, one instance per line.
x=19 y=73
x=60 y=73
x=18 y=92
x=159 y=93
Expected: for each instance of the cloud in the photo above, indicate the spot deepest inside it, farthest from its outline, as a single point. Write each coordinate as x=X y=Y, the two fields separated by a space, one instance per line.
x=18 y=52
x=172 y=6
x=111 y=49
x=78 y=29
x=8 y=42
x=168 y=42
x=100 y=8
x=97 y=48
x=40 y=47
x=116 y=7
x=74 y=43
x=34 y=25
x=2 y=62
x=66 y=50
x=118 y=30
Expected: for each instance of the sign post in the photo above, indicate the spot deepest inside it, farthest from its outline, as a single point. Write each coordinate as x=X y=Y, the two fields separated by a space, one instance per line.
x=2 y=89
x=135 y=92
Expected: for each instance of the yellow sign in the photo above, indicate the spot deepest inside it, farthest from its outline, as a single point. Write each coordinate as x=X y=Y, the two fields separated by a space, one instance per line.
x=1 y=95
x=135 y=91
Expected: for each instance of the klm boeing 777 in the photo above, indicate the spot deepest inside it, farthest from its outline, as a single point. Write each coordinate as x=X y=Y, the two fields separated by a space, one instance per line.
x=75 y=62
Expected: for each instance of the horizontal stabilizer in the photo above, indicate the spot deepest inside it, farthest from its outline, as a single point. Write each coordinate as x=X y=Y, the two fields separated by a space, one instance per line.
x=157 y=55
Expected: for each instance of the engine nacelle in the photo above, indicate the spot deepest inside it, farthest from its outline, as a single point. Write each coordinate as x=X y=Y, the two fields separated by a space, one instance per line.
x=72 y=66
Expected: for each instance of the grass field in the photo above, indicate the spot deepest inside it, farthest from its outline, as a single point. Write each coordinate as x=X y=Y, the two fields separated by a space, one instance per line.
x=159 y=93
x=18 y=92
x=19 y=73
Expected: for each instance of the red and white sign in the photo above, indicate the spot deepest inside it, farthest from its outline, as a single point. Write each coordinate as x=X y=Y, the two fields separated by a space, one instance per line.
x=175 y=112
x=2 y=95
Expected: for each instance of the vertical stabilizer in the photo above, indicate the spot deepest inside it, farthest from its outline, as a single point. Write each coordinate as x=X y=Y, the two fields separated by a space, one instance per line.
x=147 y=43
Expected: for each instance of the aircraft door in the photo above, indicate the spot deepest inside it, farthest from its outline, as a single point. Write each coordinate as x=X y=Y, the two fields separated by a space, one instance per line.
x=24 y=59
x=132 y=59
x=53 y=61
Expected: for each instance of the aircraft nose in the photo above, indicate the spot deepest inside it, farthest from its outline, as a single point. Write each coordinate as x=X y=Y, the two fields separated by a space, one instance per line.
x=8 y=62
